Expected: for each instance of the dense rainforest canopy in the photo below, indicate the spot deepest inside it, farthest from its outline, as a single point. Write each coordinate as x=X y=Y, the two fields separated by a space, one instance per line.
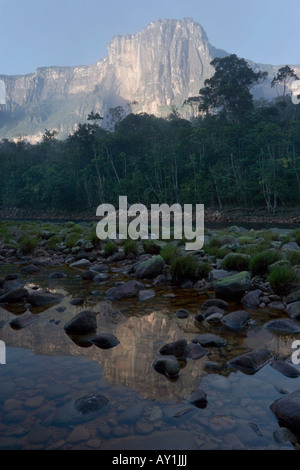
x=236 y=153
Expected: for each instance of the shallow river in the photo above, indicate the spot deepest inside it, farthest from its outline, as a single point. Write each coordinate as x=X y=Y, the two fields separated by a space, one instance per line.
x=46 y=370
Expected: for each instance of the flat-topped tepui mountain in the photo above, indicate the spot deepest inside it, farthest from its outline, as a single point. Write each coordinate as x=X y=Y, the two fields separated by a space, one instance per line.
x=150 y=72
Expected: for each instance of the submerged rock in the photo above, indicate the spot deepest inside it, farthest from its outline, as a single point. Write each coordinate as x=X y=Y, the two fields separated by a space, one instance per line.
x=84 y=322
x=83 y=409
x=195 y=351
x=285 y=369
x=105 y=341
x=208 y=339
x=41 y=298
x=182 y=313
x=251 y=362
x=146 y=294
x=23 y=320
x=283 y=325
x=198 y=398
x=215 y=303
x=15 y=295
x=236 y=320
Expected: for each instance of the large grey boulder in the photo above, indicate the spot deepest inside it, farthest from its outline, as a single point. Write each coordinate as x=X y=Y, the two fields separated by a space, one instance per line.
x=251 y=362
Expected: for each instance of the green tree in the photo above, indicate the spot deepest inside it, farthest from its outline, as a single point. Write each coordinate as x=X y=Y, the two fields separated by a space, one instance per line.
x=285 y=76
x=228 y=90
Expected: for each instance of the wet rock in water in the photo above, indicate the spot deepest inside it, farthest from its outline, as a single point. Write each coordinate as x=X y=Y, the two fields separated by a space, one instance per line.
x=23 y=320
x=281 y=390
x=57 y=275
x=10 y=277
x=220 y=424
x=167 y=365
x=293 y=310
x=215 y=303
x=213 y=366
x=233 y=287
x=199 y=317
x=251 y=362
x=285 y=369
x=293 y=296
x=195 y=351
x=159 y=440
x=127 y=290
x=105 y=341
x=61 y=309
x=2 y=323
x=39 y=434
x=160 y=280
x=83 y=322
x=276 y=305
x=251 y=300
x=146 y=295
x=10 y=443
x=198 y=398
x=13 y=284
x=177 y=348
x=77 y=301
x=30 y=269
x=214 y=318
x=81 y=410
x=15 y=295
x=283 y=325
x=236 y=320
x=150 y=268
x=41 y=298
x=182 y=313
x=212 y=310
x=283 y=435
x=89 y=275
x=207 y=340
x=287 y=411
x=131 y=415
x=100 y=277
x=80 y=264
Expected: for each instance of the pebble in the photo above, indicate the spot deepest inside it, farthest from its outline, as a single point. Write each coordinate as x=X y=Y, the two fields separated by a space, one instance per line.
x=34 y=402
x=143 y=427
x=94 y=443
x=79 y=433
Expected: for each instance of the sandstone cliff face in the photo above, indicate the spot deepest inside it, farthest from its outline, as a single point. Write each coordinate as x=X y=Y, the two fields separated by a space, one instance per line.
x=148 y=72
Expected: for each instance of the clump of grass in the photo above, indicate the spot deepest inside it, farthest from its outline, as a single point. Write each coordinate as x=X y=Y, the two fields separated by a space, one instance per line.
x=27 y=244
x=110 y=248
x=283 y=280
x=71 y=240
x=150 y=247
x=168 y=253
x=293 y=256
x=4 y=232
x=52 y=242
x=183 y=268
x=213 y=247
x=236 y=262
x=202 y=270
x=270 y=236
x=260 y=262
x=297 y=236
x=130 y=246
x=222 y=252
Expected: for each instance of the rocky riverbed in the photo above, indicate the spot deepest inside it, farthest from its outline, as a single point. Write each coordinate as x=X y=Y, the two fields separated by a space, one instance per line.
x=129 y=345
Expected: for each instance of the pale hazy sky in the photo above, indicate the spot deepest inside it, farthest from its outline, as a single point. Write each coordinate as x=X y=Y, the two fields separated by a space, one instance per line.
x=37 y=33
